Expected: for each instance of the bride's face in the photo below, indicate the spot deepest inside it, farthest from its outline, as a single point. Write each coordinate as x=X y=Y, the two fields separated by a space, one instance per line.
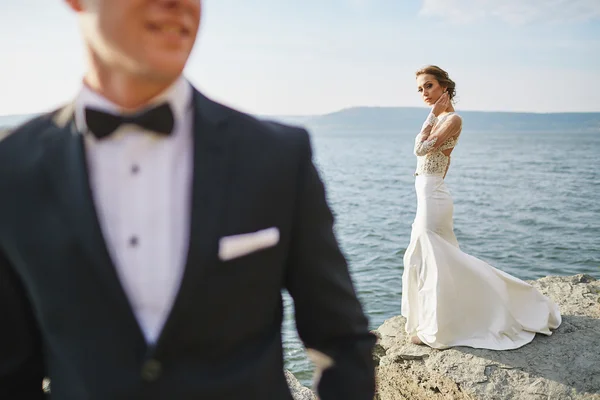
x=429 y=88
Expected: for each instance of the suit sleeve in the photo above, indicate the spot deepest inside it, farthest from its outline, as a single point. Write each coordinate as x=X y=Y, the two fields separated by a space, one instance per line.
x=21 y=361
x=329 y=316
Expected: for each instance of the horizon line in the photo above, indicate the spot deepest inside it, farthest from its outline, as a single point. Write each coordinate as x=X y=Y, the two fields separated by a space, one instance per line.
x=307 y=115
x=424 y=108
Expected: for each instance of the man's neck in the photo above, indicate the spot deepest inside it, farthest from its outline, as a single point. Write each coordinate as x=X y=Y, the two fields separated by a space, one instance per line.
x=125 y=90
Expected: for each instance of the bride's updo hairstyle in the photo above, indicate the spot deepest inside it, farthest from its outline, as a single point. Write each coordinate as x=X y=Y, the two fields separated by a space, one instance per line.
x=441 y=76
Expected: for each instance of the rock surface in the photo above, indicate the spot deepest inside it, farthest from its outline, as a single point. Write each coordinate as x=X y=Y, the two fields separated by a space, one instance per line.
x=299 y=392
x=565 y=365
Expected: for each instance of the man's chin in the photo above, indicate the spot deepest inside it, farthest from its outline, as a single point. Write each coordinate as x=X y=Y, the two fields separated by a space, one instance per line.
x=165 y=70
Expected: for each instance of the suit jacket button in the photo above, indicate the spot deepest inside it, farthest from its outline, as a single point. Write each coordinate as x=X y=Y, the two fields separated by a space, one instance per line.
x=151 y=370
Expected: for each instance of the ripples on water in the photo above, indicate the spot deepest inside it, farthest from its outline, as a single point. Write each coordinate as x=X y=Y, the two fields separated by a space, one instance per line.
x=527 y=203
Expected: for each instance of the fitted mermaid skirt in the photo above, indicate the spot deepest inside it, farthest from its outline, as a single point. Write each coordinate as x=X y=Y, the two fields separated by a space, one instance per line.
x=450 y=298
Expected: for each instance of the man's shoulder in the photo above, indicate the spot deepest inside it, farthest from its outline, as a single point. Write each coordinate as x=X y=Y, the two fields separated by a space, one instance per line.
x=277 y=131
x=27 y=130
x=262 y=129
x=17 y=143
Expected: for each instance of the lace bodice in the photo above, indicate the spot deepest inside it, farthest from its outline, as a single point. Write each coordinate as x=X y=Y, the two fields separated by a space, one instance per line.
x=433 y=162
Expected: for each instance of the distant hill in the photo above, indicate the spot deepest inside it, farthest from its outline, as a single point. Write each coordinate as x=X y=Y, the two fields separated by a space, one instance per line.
x=411 y=118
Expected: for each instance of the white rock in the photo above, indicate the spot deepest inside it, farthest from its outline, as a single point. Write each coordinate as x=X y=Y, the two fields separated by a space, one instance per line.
x=565 y=365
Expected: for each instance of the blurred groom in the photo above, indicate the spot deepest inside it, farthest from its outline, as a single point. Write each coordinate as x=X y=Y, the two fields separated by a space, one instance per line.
x=146 y=234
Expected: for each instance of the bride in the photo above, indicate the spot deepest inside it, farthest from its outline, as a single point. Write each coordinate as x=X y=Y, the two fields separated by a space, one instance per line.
x=450 y=298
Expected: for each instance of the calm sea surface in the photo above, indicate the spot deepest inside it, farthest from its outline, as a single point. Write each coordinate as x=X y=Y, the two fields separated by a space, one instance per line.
x=527 y=203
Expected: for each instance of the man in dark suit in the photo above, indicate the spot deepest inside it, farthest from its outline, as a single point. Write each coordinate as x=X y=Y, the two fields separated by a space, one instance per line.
x=146 y=234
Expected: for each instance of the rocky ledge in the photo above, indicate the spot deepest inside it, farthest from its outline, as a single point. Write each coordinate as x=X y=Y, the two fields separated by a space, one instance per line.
x=565 y=365
x=299 y=392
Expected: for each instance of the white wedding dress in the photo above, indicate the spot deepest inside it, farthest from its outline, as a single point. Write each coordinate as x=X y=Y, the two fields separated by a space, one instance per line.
x=450 y=298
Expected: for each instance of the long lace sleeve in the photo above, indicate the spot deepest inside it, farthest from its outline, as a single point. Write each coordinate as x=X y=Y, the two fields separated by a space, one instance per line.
x=427 y=142
x=422 y=145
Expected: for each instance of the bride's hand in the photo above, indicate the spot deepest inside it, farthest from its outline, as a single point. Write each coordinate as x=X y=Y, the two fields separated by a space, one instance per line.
x=441 y=104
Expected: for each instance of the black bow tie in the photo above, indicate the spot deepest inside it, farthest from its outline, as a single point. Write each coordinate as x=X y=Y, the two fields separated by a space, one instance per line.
x=158 y=119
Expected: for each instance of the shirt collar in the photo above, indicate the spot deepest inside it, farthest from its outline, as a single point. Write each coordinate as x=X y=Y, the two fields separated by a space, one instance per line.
x=178 y=95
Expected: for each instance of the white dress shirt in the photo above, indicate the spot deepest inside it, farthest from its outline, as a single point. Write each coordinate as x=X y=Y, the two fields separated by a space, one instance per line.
x=141 y=185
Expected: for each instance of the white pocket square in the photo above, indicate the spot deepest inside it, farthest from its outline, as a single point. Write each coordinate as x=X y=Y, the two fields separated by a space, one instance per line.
x=234 y=246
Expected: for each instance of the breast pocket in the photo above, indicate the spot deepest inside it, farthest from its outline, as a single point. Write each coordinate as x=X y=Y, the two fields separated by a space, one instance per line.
x=236 y=246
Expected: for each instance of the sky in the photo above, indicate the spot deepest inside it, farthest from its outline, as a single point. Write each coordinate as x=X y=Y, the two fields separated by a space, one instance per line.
x=285 y=57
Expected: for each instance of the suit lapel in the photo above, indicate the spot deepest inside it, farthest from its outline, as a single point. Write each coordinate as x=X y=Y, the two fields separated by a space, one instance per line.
x=66 y=167
x=209 y=186
x=67 y=171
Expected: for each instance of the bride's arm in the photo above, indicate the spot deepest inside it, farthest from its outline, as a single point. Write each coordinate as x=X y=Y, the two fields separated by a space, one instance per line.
x=425 y=132
x=449 y=128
